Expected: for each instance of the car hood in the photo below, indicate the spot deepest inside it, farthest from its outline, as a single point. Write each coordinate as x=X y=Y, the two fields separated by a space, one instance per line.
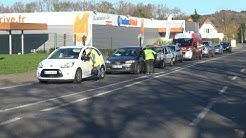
x=56 y=63
x=122 y=58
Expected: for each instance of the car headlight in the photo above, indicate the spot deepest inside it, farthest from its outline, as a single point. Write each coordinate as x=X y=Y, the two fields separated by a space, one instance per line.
x=40 y=65
x=68 y=65
x=107 y=61
x=130 y=61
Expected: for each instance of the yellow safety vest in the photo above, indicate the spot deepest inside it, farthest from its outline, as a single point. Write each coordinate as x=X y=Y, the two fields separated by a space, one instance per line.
x=95 y=59
x=149 y=54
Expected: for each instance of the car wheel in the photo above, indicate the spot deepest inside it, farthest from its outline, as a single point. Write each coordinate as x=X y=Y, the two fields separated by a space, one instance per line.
x=171 y=63
x=163 y=64
x=193 y=56
x=137 y=69
x=229 y=51
x=200 y=56
x=102 y=73
x=78 y=76
x=181 y=59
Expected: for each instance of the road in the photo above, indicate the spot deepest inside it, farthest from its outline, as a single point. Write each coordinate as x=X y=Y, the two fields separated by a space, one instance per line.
x=193 y=99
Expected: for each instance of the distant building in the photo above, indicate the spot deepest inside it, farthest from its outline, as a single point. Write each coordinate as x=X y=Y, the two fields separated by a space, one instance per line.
x=209 y=31
x=102 y=30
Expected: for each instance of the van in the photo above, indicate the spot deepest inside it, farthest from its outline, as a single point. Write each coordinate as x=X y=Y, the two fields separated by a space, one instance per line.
x=190 y=44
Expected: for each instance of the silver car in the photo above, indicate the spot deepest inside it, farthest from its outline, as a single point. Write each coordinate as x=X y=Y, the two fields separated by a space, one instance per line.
x=177 y=53
x=208 y=49
x=164 y=56
x=218 y=49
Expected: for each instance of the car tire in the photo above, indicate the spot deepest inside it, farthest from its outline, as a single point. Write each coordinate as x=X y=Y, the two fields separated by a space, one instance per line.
x=136 y=69
x=181 y=59
x=171 y=63
x=163 y=64
x=102 y=73
x=193 y=57
x=200 y=56
x=78 y=76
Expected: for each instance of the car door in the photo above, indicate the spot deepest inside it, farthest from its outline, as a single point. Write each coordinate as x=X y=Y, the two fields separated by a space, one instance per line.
x=168 y=55
x=85 y=64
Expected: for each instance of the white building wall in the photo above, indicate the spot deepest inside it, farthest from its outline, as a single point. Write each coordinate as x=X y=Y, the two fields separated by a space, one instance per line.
x=208 y=31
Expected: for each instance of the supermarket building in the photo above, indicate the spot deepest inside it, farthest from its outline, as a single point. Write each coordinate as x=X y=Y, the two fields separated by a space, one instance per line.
x=102 y=30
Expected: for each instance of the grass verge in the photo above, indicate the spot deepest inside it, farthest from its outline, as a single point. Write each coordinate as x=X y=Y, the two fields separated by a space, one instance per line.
x=10 y=64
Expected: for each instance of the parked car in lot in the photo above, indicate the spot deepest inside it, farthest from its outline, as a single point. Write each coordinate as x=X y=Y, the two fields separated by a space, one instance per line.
x=164 y=56
x=178 y=55
x=218 y=49
x=68 y=63
x=126 y=59
x=226 y=46
x=208 y=49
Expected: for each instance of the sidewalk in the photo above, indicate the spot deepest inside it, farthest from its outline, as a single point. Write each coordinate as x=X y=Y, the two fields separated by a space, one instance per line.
x=18 y=78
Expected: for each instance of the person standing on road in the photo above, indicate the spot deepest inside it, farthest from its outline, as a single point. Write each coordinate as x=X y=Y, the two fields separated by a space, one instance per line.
x=149 y=56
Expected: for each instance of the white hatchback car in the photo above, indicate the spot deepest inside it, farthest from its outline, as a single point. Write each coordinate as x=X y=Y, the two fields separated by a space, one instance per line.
x=68 y=63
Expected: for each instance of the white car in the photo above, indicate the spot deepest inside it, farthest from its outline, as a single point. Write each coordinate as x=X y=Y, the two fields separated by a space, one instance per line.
x=68 y=63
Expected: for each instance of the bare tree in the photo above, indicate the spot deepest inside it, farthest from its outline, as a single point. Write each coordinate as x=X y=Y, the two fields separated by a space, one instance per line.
x=31 y=7
x=124 y=8
x=18 y=7
x=143 y=11
x=161 y=11
x=105 y=7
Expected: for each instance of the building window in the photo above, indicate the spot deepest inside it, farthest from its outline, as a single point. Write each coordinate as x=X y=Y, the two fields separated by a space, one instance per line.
x=207 y=31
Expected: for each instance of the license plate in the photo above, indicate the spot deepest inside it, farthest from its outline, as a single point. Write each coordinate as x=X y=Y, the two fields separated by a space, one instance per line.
x=117 y=66
x=50 y=72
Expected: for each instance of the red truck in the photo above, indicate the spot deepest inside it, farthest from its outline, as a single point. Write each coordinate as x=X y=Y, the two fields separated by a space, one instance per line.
x=190 y=44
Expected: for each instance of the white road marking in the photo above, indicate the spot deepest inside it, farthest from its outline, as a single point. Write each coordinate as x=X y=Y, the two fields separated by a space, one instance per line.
x=8 y=87
x=233 y=78
x=10 y=121
x=223 y=90
x=202 y=114
x=242 y=70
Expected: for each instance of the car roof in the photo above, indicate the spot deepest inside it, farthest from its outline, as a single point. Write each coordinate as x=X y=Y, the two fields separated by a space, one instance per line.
x=128 y=46
x=73 y=46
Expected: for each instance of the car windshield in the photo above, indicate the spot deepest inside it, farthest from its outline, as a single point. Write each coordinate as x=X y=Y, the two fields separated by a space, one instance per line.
x=225 y=44
x=66 y=53
x=217 y=46
x=128 y=51
x=205 y=43
x=183 y=41
x=172 y=48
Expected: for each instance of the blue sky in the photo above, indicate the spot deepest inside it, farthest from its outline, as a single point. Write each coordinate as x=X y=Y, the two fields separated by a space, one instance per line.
x=187 y=6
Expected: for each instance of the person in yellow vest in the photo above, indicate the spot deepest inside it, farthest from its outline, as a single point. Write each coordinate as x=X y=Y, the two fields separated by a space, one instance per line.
x=149 y=56
x=95 y=62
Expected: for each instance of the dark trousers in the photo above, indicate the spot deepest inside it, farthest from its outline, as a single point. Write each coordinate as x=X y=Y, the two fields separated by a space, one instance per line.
x=150 y=66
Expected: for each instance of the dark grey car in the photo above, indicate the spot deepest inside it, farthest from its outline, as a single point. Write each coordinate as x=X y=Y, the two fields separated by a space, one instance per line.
x=126 y=59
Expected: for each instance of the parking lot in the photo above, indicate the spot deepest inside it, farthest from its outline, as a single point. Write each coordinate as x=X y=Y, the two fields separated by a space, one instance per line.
x=192 y=99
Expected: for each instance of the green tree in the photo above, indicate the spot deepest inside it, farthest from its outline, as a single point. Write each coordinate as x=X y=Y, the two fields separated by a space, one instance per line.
x=195 y=17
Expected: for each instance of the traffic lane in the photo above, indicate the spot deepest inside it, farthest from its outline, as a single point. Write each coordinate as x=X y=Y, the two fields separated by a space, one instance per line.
x=142 y=110
x=50 y=100
x=196 y=98
x=27 y=95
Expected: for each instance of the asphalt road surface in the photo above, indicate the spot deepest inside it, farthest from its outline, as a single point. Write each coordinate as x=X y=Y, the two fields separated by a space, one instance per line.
x=193 y=99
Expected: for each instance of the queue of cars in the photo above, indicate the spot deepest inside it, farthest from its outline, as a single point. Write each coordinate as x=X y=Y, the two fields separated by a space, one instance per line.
x=70 y=63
